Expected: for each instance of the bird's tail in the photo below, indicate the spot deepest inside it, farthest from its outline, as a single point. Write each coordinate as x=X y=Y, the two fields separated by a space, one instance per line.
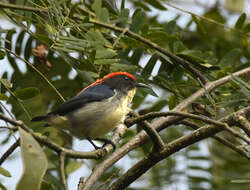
x=40 y=118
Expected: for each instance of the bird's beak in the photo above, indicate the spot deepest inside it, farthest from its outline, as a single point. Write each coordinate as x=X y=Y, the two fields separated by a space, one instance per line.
x=141 y=85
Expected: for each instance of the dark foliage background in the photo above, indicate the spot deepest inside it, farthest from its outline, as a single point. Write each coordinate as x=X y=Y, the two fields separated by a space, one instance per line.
x=78 y=52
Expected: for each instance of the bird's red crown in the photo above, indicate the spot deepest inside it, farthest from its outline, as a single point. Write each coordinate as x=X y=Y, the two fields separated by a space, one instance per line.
x=108 y=76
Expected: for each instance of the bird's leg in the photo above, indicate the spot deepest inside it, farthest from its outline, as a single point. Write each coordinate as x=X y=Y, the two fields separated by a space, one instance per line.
x=106 y=141
x=93 y=144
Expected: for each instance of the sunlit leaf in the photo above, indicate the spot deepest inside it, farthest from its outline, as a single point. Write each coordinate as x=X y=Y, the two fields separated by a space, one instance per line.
x=73 y=166
x=104 y=53
x=3 y=96
x=199 y=25
x=247 y=28
x=4 y=172
x=156 y=3
x=34 y=162
x=147 y=70
x=26 y=93
x=139 y=18
x=240 y=21
x=172 y=101
x=3 y=187
x=231 y=57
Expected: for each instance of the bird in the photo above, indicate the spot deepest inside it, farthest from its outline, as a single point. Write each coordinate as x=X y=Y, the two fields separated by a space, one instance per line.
x=97 y=109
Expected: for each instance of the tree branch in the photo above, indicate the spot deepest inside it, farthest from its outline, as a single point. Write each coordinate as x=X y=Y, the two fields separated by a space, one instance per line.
x=244 y=124
x=227 y=143
x=62 y=172
x=21 y=7
x=9 y=151
x=207 y=120
x=154 y=157
x=155 y=137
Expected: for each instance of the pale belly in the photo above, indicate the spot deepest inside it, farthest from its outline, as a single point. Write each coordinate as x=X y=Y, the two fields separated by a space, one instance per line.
x=91 y=122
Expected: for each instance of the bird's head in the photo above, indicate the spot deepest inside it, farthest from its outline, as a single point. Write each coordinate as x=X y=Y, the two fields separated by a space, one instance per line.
x=121 y=81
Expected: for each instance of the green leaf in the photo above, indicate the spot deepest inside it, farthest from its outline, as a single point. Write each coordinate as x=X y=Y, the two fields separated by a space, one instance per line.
x=171 y=27
x=123 y=18
x=156 y=4
x=231 y=57
x=73 y=166
x=139 y=19
x=122 y=4
x=147 y=70
x=157 y=106
x=26 y=93
x=104 y=53
x=172 y=101
x=28 y=48
x=2 y=54
x=105 y=61
x=104 y=15
x=34 y=162
x=2 y=187
x=149 y=91
x=202 y=60
x=199 y=25
x=240 y=21
x=123 y=67
x=3 y=96
x=161 y=37
x=4 y=172
x=192 y=55
x=46 y=186
x=111 y=5
x=130 y=42
x=18 y=44
x=97 y=7
x=247 y=28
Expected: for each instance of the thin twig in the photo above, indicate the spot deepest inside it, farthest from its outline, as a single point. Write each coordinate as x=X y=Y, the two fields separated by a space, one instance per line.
x=81 y=183
x=207 y=120
x=156 y=138
x=13 y=128
x=9 y=151
x=153 y=158
x=62 y=171
x=244 y=123
x=219 y=139
x=5 y=108
x=22 y=7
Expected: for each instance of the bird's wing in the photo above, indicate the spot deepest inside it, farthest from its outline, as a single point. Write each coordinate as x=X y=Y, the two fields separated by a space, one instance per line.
x=90 y=94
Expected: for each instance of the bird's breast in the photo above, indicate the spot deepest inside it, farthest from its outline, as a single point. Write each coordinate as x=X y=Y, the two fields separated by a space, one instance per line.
x=96 y=118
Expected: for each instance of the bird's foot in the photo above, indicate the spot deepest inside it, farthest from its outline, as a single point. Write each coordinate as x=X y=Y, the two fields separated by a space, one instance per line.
x=106 y=141
x=93 y=144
